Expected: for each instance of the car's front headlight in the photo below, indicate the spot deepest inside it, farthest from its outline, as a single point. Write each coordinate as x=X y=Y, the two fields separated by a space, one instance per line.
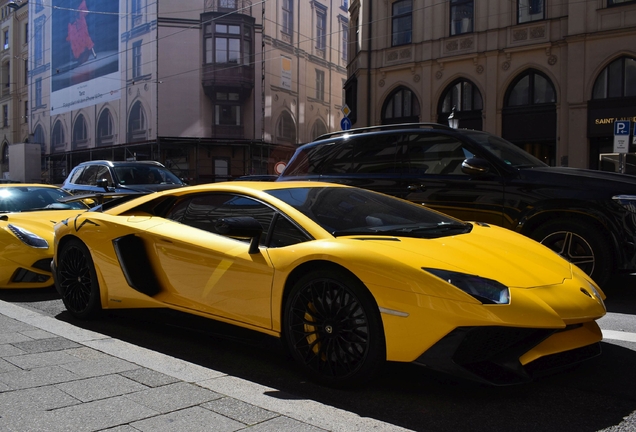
x=28 y=238
x=485 y=290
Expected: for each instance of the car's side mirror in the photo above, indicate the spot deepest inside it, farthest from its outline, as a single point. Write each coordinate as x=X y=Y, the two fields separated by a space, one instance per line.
x=475 y=166
x=245 y=226
x=102 y=183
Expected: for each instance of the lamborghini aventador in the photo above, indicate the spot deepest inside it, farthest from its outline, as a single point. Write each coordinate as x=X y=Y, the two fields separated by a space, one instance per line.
x=347 y=277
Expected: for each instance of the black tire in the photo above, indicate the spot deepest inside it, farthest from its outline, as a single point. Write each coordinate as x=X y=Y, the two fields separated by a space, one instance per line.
x=332 y=328
x=77 y=280
x=581 y=244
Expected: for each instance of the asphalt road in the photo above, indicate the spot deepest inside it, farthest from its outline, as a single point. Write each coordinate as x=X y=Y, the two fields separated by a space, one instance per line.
x=597 y=395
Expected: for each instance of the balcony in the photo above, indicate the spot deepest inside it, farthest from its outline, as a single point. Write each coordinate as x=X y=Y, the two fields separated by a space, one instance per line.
x=228 y=77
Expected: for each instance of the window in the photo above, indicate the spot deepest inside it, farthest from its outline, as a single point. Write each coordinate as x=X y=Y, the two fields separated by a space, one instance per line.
x=105 y=128
x=80 y=136
x=227 y=43
x=288 y=16
x=618 y=79
x=463 y=96
x=26 y=33
x=57 y=138
x=321 y=27
x=358 y=41
x=530 y=10
x=531 y=88
x=137 y=123
x=432 y=154
x=320 y=85
x=26 y=72
x=26 y=111
x=461 y=12
x=222 y=169
x=135 y=12
x=286 y=128
x=38 y=42
x=619 y=2
x=227 y=111
x=402 y=22
x=344 y=39
x=5 y=39
x=136 y=59
x=204 y=210
x=401 y=106
x=5 y=115
x=5 y=153
x=38 y=92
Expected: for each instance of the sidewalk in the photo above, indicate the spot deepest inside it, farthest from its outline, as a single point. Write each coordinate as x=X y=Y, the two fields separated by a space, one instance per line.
x=57 y=377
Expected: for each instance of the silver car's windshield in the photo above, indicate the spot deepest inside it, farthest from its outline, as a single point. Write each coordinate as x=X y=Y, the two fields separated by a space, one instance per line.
x=352 y=211
x=505 y=150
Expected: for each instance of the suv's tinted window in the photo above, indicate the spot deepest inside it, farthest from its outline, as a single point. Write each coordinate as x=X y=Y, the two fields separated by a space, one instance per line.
x=374 y=155
x=104 y=173
x=88 y=175
x=433 y=154
x=75 y=175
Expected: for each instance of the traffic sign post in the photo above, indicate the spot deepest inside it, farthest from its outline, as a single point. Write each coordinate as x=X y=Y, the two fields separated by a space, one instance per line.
x=621 y=142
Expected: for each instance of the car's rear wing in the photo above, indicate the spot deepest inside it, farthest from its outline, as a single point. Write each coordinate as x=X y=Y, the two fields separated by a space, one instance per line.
x=100 y=197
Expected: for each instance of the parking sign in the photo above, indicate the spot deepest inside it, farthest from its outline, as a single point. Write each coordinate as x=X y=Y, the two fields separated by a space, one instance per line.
x=621 y=136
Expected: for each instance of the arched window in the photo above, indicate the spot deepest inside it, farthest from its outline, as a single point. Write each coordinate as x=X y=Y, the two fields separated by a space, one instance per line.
x=617 y=80
x=137 y=123
x=286 y=128
x=80 y=133
x=38 y=138
x=531 y=88
x=57 y=137
x=465 y=97
x=5 y=153
x=401 y=106
x=529 y=116
x=105 y=135
x=318 y=129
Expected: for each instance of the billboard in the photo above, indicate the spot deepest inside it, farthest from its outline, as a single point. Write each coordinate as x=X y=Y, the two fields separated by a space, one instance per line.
x=85 y=47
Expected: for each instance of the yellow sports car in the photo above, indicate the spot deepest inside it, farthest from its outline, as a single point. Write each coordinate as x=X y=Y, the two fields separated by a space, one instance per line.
x=348 y=278
x=28 y=213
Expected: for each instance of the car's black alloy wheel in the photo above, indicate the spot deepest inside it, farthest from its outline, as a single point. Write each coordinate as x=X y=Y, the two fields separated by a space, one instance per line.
x=77 y=280
x=581 y=244
x=332 y=326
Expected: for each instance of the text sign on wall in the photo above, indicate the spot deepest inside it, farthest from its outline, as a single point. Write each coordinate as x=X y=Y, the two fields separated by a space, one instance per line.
x=621 y=136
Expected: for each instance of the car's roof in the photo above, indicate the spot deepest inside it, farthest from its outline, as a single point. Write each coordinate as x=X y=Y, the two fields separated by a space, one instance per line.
x=120 y=163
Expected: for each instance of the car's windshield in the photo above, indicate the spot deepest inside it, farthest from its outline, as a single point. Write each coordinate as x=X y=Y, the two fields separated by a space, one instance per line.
x=145 y=174
x=505 y=150
x=30 y=198
x=349 y=211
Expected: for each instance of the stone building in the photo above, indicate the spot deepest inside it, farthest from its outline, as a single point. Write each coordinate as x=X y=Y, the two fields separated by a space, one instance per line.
x=550 y=76
x=214 y=89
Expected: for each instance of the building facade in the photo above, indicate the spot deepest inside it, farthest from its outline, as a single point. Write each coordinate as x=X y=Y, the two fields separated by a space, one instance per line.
x=14 y=67
x=549 y=76
x=214 y=89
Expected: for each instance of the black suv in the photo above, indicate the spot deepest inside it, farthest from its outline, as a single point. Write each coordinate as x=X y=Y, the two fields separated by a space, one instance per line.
x=134 y=176
x=588 y=217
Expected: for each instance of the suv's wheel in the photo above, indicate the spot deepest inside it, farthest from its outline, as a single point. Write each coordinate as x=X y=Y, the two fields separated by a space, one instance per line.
x=332 y=327
x=77 y=280
x=581 y=244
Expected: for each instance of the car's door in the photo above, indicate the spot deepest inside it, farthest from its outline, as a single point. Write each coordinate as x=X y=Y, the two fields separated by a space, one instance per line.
x=208 y=271
x=431 y=165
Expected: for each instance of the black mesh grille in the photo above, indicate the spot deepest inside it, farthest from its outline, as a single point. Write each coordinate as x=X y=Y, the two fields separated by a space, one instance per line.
x=43 y=264
x=26 y=276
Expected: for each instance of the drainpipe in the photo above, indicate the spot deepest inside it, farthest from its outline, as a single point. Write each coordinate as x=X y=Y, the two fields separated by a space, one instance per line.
x=369 y=41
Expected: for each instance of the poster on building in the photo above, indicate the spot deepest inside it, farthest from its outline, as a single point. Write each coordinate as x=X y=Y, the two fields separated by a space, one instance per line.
x=85 y=47
x=286 y=73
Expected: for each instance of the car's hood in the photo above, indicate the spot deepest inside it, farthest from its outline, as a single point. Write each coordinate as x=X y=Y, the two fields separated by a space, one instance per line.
x=39 y=222
x=583 y=179
x=490 y=252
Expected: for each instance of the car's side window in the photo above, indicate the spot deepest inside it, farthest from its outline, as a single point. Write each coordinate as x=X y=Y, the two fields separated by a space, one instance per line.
x=75 y=175
x=88 y=175
x=432 y=154
x=103 y=173
x=204 y=210
x=285 y=233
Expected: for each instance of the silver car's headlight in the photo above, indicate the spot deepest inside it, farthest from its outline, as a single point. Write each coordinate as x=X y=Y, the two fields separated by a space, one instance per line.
x=28 y=238
x=485 y=290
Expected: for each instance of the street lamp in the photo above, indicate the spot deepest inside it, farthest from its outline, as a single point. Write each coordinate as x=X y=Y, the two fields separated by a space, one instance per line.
x=453 y=122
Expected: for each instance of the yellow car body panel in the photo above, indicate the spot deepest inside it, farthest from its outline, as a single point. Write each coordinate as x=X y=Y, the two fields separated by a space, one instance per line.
x=215 y=276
